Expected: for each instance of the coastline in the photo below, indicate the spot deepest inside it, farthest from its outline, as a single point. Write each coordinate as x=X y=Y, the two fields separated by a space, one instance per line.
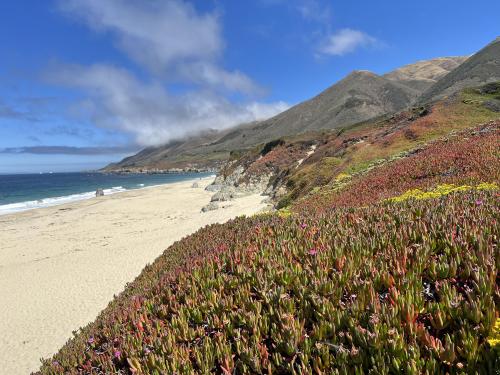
x=61 y=265
x=74 y=195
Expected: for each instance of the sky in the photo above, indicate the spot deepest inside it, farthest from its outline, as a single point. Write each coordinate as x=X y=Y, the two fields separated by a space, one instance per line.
x=87 y=82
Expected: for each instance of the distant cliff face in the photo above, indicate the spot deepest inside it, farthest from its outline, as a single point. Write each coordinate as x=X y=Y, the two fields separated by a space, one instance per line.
x=360 y=96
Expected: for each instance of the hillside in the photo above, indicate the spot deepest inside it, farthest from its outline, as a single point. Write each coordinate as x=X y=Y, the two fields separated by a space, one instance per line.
x=360 y=96
x=386 y=262
x=481 y=68
x=178 y=154
x=296 y=165
x=423 y=74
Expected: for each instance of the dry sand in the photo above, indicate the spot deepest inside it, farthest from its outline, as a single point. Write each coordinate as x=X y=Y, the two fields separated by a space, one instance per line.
x=60 y=266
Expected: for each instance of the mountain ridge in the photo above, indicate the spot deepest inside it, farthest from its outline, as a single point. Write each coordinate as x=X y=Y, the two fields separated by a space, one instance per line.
x=482 y=67
x=358 y=97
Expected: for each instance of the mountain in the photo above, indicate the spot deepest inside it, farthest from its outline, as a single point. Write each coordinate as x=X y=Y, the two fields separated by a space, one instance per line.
x=175 y=154
x=483 y=67
x=423 y=74
x=358 y=97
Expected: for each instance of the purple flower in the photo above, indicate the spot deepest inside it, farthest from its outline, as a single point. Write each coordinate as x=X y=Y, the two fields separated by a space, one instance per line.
x=117 y=354
x=479 y=202
x=313 y=252
x=303 y=225
x=91 y=340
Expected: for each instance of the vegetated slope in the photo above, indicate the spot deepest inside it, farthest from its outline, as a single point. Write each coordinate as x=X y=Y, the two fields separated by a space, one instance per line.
x=358 y=97
x=301 y=164
x=181 y=154
x=408 y=287
x=464 y=158
x=483 y=67
x=349 y=292
x=423 y=74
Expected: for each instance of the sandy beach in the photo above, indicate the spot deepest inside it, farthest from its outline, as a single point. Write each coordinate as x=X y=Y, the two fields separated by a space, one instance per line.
x=60 y=266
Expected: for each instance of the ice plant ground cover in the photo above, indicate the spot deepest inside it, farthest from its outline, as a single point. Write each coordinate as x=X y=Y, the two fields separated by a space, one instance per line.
x=469 y=157
x=395 y=287
x=392 y=270
x=390 y=287
x=360 y=148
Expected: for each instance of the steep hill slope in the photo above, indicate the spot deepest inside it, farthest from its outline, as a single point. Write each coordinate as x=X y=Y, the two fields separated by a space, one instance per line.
x=294 y=166
x=423 y=74
x=358 y=97
x=482 y=67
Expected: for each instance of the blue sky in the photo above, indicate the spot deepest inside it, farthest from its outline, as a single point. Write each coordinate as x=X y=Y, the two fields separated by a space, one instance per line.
x=86 y=82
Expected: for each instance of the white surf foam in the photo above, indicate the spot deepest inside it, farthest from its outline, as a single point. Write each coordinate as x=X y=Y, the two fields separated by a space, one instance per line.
x=48 y=202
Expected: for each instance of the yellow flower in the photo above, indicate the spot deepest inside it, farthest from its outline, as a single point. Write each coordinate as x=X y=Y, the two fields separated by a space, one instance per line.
x=284 y=212
x=494 y=339
x=342 y=177
x=487 y=186
x=440 y=191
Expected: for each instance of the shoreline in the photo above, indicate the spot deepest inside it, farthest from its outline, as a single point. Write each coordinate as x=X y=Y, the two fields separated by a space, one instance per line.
x=28 y=205
x=61 y=265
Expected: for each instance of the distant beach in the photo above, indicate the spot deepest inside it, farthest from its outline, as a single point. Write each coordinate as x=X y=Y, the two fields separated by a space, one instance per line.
x=61 y=265
x=22 y=192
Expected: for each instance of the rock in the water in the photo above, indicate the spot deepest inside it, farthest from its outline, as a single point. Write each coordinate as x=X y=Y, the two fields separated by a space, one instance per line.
x=99 y=193
x=195 y=185
x=210 y=207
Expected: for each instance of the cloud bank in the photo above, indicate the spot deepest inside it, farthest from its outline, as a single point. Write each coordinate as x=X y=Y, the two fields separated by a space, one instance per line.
x=118 y=100
x=170 y=42
x=346 y=41
x=68 y=150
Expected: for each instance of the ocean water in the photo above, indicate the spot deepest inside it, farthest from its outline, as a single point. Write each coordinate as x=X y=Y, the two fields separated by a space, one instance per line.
x=28 y=191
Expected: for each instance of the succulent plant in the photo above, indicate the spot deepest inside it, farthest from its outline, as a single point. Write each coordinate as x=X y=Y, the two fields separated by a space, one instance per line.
x=344 y=284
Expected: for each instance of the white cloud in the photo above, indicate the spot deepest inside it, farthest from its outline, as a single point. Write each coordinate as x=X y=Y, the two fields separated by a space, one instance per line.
x=118 y=100
x=346 y=41
x=210 y=75
x=174 y=43
x=164 y=36
x=313 y=10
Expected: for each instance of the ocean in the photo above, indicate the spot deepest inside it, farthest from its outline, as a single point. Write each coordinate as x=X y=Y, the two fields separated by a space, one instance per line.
x=23 y=192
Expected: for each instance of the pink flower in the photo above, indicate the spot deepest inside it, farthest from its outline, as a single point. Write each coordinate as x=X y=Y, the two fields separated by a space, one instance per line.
x=91 y=340
x=303 y=226
x=313 y=252
x=479 y=202
x=117 y=354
